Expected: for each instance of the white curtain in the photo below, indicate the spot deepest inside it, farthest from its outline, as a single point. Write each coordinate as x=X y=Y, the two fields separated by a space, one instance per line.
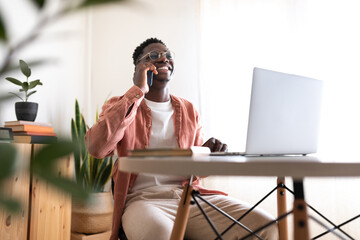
x=318 y=39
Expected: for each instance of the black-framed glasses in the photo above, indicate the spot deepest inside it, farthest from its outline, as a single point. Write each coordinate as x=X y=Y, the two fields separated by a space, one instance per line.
x=154 y=55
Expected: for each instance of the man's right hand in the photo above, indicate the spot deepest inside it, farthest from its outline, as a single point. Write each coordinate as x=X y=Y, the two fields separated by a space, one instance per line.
x=215 y=145
x=140 y=75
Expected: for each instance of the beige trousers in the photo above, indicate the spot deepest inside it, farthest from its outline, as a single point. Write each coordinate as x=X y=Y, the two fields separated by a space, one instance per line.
x=150 y=214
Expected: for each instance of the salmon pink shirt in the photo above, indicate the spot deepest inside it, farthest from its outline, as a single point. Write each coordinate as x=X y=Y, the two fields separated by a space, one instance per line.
x=125 y=124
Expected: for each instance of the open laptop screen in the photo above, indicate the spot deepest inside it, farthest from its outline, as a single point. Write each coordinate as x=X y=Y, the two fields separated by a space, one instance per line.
x=284 y=113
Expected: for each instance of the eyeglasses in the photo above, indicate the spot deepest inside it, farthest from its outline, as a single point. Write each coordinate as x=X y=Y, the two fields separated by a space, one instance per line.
x=154 y=55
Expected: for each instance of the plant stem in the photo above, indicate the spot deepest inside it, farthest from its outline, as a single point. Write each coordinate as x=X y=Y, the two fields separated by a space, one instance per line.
x=26 y=95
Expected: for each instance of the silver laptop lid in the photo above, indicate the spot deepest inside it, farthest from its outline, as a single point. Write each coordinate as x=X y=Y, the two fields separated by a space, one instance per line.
x=284 y=113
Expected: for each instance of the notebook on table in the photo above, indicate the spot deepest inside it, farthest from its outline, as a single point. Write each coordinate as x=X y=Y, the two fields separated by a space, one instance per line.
x=284 y=114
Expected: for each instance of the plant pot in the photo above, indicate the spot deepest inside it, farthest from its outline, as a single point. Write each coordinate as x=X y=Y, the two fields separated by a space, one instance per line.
x=26 y=111
x=94 y=216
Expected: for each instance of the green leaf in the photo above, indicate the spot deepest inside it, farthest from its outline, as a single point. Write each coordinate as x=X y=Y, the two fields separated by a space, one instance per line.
x=7 y=160
x=3 y=35
x=77 y=160
x=96 y=115
x=104 y=163
x=74 y=132
x=14 y=81
x=39 y=3
x=89 y=3
x=25 y=68
x=32 y=63
x=6 y=97
x=67 y=185
x=31 y=93
x=85 y=171
x=44 y=162
x=34 y=83
x=95 y=166
x=91 y=169
x=25 y=86
x=77 y=117
x=17 y=95
x=48 y=155
x=9 y=204
x=82 y=171
x=7 y=166
x=82 y=132
x=105 y=175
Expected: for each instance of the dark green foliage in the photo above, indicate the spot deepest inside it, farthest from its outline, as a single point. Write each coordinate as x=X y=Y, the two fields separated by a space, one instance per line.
x=3 y=36
x=26 y=85
x=39 y=3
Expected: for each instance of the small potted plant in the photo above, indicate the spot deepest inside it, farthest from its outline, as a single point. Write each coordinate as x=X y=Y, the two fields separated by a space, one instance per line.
x=25 y=110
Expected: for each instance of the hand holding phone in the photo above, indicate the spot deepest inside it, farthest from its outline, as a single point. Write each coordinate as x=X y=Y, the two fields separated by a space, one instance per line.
x=150 y=76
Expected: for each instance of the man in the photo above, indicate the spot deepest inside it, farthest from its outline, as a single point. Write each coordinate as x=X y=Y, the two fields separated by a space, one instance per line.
x=150 y=117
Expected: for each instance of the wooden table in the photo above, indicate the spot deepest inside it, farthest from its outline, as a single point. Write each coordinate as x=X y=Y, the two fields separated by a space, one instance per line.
x=297 y=167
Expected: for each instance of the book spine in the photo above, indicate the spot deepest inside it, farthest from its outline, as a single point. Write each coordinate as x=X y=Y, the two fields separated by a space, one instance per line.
x=21 y=122
x=25 y=133
x=35 y=139
x=32 y=128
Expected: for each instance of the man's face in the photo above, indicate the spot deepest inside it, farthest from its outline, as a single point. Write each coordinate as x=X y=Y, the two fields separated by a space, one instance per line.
x=164 y=66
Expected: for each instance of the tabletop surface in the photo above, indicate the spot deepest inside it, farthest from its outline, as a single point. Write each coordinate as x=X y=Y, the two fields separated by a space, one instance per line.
x=292 y=166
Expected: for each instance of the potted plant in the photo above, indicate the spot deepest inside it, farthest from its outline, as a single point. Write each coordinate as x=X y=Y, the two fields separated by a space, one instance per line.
x=25 y=110
x=92 y=173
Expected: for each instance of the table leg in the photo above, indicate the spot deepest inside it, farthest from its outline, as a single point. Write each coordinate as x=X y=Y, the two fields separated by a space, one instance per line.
x=281 y=209
x=182 y=215
x=301 y=226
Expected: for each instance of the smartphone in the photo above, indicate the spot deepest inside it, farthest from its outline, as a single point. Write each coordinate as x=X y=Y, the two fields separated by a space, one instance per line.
x=150 y=76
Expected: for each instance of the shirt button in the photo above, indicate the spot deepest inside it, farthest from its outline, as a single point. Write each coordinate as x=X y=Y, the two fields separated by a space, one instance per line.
x=149 y=125
x=137 y=96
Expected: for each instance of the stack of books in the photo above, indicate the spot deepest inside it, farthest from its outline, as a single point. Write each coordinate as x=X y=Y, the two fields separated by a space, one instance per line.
x=31 y=132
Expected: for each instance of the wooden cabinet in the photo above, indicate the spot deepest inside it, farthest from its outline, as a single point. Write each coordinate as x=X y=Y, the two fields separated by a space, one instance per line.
x=12 y=226
x=46 y=212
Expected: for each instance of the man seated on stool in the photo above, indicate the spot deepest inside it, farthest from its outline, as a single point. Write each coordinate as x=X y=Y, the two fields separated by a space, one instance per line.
x=150 y=117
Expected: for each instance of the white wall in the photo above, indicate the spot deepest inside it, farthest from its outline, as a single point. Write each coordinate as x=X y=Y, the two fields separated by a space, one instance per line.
x=117 y=31
x=311 y=38
x=63 y=44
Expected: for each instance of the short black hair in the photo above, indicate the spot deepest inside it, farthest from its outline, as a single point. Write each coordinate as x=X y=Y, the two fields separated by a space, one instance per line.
x=139 y=49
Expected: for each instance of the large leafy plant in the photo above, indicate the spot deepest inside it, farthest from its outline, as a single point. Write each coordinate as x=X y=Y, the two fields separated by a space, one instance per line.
x=52 y=152
x=92 y=173
x=26 y=86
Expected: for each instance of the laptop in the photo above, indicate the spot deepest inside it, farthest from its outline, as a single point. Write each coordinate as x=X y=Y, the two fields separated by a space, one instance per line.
x=284 y=114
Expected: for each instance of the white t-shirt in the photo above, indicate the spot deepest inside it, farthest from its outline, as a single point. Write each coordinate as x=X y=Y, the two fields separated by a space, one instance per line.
x=162 y=136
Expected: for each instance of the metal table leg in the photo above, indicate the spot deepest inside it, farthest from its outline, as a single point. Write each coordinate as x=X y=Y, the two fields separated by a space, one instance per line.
x=301 y=226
